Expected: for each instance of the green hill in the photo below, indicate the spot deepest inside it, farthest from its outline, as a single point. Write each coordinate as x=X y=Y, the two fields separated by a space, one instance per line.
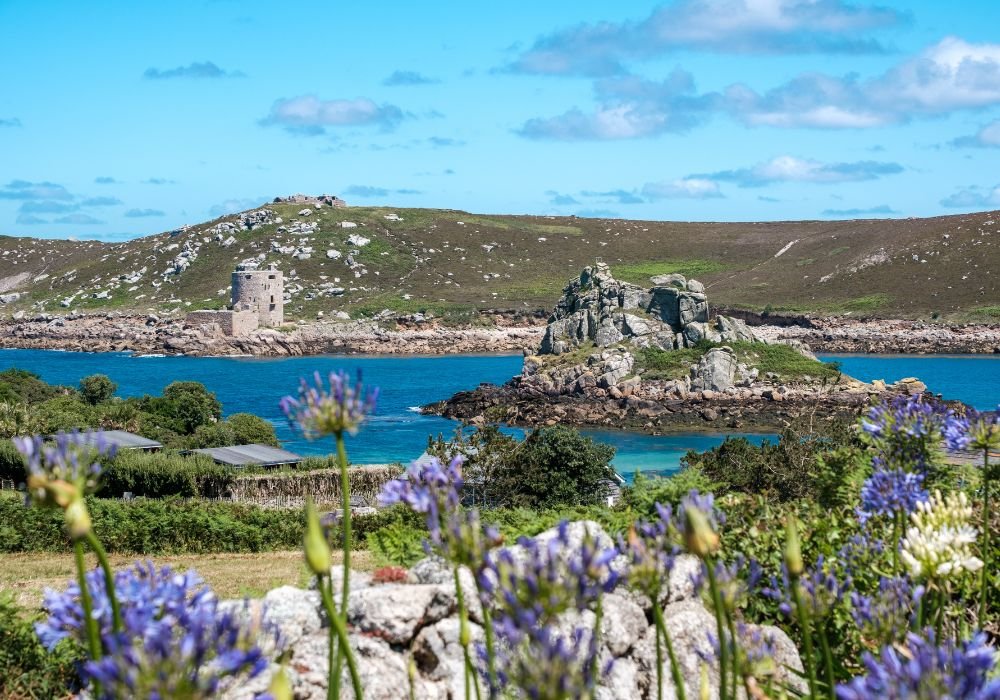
x=454 y=263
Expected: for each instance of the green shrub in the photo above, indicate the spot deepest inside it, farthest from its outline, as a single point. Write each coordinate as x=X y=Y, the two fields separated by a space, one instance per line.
x=27 y=669
x=162 y=474
x=644 y=492
x=149 y=527
x=29 y=387
x=397 y=545
x=65 y=413
x=97 y=388
x=555 y=466
x=790 y=469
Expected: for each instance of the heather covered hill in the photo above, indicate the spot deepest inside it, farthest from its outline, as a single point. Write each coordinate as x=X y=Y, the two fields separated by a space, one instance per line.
x=362 y=260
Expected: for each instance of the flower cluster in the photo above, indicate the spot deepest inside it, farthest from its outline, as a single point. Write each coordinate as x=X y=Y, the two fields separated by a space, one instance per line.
x=651 y=552
x=177 y=641
x=531 y=588
x=938 y=543
x=735 y=582
x=63 y=470
x=821 y=591
x=886 y=616
x=435 y=490
x=905 y=431
x=890 y=492
x=924 y=668
x=974 y=430
x=331 y=408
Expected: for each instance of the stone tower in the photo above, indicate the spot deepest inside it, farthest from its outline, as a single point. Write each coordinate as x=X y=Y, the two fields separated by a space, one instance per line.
x=261 y=291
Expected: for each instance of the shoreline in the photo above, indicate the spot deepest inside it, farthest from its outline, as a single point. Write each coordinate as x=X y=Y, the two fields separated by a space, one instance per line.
x=149 y=335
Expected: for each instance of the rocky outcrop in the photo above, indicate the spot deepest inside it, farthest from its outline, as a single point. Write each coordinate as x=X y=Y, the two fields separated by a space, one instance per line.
x=394 y=624
x=673 y=313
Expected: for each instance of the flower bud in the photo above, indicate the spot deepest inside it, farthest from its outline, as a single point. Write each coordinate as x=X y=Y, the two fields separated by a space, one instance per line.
x=280 y=687
x=316 y=548
x=699 y=539
x=793 y=550
x=78 y=519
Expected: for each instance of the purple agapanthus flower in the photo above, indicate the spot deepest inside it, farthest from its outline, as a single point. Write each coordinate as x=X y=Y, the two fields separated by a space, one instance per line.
x=924 y=668
x=890 y=492
x=73 y=457
x=906 y=431
x=735 y=581
x=529 y=589
x=886 y=616
x=975 y=430
x=435 y=490
x=821 y=590
x=332 y=408
x=176 y=641
x=651 y=552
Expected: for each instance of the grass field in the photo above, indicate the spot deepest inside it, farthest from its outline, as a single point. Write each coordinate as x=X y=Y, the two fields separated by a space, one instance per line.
x=230 y=575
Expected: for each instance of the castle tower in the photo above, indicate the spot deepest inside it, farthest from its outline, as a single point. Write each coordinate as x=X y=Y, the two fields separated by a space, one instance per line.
x=261 y=291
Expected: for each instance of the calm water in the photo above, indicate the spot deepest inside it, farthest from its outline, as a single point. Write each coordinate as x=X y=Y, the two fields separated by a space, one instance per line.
x=398 y=433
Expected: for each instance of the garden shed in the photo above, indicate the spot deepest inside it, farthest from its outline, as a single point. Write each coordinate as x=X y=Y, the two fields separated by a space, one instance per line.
x=256 y=455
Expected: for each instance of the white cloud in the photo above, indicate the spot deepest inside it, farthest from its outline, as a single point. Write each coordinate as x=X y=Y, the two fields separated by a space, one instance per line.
x=986 y=137
x=684 y=188
x=725 y=26
x=787 y=168
x=310 y=115
x=973 y=198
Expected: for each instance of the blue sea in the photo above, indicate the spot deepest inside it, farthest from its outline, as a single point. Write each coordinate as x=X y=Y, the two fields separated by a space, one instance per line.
x=399 y=433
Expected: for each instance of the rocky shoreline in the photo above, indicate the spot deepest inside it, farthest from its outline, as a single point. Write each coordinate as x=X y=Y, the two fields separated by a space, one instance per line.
x=152 y=335
x=657 y=408
x=839 y=335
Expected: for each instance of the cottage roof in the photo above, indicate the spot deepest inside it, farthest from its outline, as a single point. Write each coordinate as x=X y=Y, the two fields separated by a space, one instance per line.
x=255 y=455
x=121 y=440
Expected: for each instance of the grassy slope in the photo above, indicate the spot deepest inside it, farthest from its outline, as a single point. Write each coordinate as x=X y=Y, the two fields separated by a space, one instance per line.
x=452 y=263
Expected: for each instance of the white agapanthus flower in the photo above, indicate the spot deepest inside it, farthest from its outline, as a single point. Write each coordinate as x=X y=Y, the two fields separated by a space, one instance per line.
x=938 y=543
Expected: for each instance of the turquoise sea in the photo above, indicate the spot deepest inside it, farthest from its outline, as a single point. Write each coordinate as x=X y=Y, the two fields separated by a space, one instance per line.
x=399 y=433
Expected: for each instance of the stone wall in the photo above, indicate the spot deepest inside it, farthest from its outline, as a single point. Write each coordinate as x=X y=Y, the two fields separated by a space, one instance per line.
x=228 y=322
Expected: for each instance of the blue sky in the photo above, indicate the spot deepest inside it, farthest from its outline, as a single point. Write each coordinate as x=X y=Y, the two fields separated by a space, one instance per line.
x=121 y=119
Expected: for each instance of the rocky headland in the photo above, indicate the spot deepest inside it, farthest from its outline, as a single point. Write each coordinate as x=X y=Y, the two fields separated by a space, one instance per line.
x=618 y=355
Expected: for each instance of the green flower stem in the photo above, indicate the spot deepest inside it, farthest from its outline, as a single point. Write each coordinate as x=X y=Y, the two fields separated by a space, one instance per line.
x=675 y=670
x=896 y=536
x=109 y=579
x=491 y=662
x=87 y=603
x=596 y=635
x=984 y=588
x=738 y=675
x=807 y=643
x=720 y=627
x=831 y=681
x=463 y=637
x=345 y=498
x=339 y=628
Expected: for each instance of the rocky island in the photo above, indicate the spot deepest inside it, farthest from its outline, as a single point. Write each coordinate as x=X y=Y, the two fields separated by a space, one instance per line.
x=620 y=355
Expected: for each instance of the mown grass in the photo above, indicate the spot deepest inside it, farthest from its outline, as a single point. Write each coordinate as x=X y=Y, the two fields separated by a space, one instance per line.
x=639 y=273
x=27 y=576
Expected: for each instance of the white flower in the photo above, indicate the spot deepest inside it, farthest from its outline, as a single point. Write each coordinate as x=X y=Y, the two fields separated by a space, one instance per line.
x=938 y=543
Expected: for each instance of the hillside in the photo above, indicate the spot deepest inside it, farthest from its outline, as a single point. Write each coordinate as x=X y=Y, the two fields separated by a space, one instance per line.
x=452 y=263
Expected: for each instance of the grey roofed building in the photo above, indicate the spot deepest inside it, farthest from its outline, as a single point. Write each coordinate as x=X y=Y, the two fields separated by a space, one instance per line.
x=255 y=455
x=122 y=440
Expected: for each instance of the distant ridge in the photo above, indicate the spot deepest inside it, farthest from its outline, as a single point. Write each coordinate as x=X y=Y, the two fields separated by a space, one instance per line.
x=363 y=260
